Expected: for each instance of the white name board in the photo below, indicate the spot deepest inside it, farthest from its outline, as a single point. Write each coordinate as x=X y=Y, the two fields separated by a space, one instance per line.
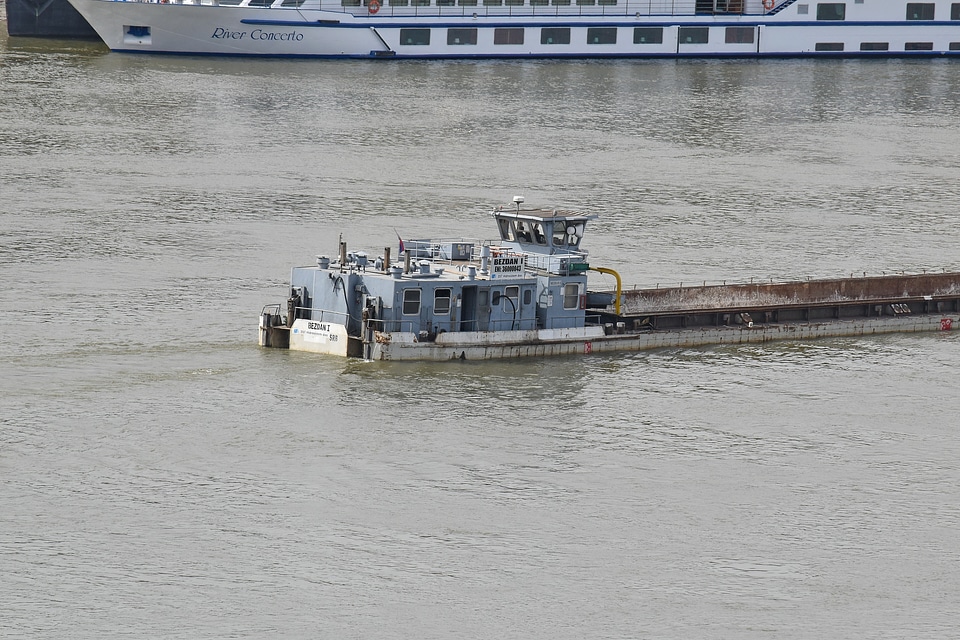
x=507 y=266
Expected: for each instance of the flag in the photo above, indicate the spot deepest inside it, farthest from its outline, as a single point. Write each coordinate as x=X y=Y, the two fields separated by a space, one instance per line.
x=400 y=239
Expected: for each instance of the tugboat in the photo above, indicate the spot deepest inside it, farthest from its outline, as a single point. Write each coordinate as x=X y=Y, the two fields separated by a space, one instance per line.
x=525 y=294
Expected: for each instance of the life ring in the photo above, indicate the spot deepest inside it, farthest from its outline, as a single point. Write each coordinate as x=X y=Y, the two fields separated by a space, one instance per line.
x=767 y=4
x=373 y=6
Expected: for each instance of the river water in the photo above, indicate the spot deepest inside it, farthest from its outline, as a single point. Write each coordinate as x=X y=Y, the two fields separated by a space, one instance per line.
x=162 y=476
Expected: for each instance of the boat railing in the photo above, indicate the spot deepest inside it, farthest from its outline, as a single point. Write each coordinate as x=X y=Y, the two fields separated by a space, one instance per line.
x=501 y=8
x=427 y=8
x=322 y=315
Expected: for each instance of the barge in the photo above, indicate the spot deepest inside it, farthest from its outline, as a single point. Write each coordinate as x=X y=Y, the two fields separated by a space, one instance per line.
x=526 y=293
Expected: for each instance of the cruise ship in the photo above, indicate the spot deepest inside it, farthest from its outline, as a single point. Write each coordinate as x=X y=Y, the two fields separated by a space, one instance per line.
x=527 y=28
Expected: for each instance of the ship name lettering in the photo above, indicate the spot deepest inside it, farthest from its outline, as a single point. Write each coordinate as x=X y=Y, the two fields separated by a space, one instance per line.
x=318 y=326
x=223 y=34
x=260 y=34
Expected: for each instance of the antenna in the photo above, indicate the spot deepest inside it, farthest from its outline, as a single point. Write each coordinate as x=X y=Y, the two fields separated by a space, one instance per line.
x=518 y=200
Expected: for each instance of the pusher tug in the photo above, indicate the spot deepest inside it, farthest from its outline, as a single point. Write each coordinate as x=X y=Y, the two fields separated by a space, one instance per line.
x=526 y=294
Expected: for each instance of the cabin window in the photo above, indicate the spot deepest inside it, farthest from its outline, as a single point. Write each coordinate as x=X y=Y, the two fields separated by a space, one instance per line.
x=523 y=233
x=955 y=11
x=874 y=46
x=512 y=293
x=648 y=35
x=506 y=229
x=467 y=3
x=555 y=35
x=441 y=302
x=507 y=36
x=803 y=9
x=415 y=37
x=527 y=297
x=445 y=3
x=694 y=35
x=538 y=235
x=920 y=10
x=420 y=3
x=831 y=11
x=411 y=302
x=560 y=3
x=461 y=36
x=559 y=233
x=513 y=3
x=539 y=3
x=571 y=296
x=493 y=3
x=829 y=46
x=955 y=46
x=586 y=3
x=918 y=46
x=396 y=3
x=739 y=35
x=601 y=35
x=607 y=3
x=343 y=3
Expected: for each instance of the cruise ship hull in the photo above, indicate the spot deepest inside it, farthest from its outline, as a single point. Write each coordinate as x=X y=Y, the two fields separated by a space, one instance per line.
x=615 y=29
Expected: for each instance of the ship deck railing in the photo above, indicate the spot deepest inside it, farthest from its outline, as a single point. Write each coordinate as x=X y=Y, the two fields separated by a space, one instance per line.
x=505 y=8
x=473 y=326
x=442 y=252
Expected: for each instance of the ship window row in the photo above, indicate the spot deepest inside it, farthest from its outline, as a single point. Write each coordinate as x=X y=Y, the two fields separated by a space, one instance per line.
x=825 y=10
x=485 y=3
x=561 y=35
x=883 y=46
x=915 y=10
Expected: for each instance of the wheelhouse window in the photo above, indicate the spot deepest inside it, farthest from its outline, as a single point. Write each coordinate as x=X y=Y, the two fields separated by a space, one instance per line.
x=874 y=46
x=411 y=302
x=920 y=10
x=461 y=36
x=602 y=35
x=441 y=302
x=648 y=35
x=555 y=35
x=571 y=296
x=829 y=46
x=507 y=36
x=415 y=37
x=831 y=11
x=694 y=35
x=739 y=35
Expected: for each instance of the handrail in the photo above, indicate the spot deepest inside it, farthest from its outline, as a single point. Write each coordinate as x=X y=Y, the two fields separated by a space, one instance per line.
x=619 y=284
